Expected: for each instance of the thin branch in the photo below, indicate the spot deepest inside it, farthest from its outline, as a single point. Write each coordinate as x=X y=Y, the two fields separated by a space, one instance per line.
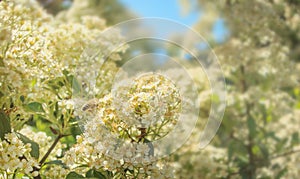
x=285 y=154
x=47 y=154
x=50 y=149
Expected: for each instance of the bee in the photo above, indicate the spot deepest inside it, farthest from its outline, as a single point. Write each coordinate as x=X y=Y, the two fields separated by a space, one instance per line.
x=90 y=105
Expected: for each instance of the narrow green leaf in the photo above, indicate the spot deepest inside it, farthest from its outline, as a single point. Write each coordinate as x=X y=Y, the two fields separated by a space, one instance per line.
x=76 y=86
x=94 y=174
x=280 y=145
x=35 y=107
x=1 y=61
x=242 y=160
x=264 y=150
x=35 y=149
x=4 y=124
x=74 y=175
x=55 y=162
x=281 y=173
x=230 y=150
x=251 y=126
x=273 y=136
x=33 y=82
x=295 y=138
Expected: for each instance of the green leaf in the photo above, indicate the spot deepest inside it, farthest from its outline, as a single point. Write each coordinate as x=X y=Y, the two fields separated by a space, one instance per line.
x=22 y=98
x=35 y=149
x=94 y=174
x=55 y=162
x=176 y=157
x=273 y=136
x=230 y=151
x=281 y=173
x=242 y=160
x=55 y=84
x=264 y=150
x=295 y=138
x=73 y=175
x=1 y=61
x=255 y=149
x=280 y=145
x=75 y=86
x=33 y=82
x=4 y=124
x=251 y=126
x=35 y=107
x=269 y=118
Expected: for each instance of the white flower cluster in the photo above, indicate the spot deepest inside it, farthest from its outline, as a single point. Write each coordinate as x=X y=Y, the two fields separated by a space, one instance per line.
x=149 y=100
x=56 y=171
x=40 y=57
x=111 y=141
x=39 y=49
x=15 y=155
x=130 y=160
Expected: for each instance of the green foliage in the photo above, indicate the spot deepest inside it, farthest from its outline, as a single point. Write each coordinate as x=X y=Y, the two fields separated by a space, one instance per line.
x=55 y=162
x=4 y=124
x=91 y=174
x=94 y=174
x=74 y=175
x=35 y=149
x=34 y=107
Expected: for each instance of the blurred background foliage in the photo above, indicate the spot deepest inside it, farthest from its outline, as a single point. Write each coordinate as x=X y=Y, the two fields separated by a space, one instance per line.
x=110 y=10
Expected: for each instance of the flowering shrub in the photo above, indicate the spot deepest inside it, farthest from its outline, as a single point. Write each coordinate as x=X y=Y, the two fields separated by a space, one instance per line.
x=39 y=57
x=48 y=130
x=44 y=68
